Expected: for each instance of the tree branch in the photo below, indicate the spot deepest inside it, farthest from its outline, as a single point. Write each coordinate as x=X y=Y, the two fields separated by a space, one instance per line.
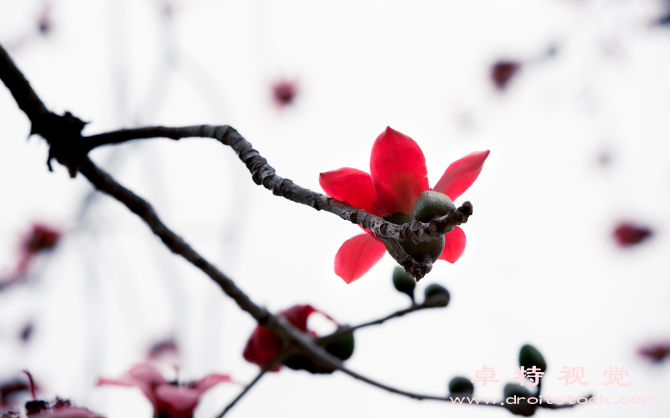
x=525 y=405
x=63 y=133
x=278 y=359
x=344 y=330
x=68 y=147
x=263 y=174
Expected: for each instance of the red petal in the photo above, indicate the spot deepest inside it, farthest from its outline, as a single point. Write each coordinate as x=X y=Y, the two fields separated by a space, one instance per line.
x=460 y=174
x=398 y=170
x=176 y=402
x=210 y=380
x=262 y=346
x=354 y=187
x=454 y=245
x=297 y=315
x=628 y=234
x=143 y=376
x=356 y=256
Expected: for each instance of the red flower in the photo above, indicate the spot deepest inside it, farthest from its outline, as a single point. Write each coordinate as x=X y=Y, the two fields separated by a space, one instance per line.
x=628 y=234
x=263 y=345
x=41 y=238
x=398 y=176
x=502 y=73
x=655 y=352
x=169 y=399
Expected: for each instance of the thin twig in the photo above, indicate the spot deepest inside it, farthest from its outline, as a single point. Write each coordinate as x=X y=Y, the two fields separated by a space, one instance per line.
x=263 y=174
x=279 y=358
x=344 y=330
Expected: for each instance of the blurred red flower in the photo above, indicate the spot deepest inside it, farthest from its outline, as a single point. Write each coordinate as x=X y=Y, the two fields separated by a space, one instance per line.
x=655 y=352
x=628 y=234
x=169 y=399
x=59 y=408
x=41 y=238
x=263 y=345
x=284 y=92
x=502 y=73
x=398 y=176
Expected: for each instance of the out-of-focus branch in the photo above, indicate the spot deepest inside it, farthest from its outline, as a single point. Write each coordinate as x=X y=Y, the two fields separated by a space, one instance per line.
x=436 y=302
x=524 y=405
x=20 y=88
x=278 y=359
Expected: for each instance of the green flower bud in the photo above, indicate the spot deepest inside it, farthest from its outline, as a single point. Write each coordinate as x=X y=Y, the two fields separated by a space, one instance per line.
x=521 y=407
x=435 y=292
x=430 y=205
x=342 y=348
x=424 y=252
x=461 y=386
x=403 y=282
x=530 y=356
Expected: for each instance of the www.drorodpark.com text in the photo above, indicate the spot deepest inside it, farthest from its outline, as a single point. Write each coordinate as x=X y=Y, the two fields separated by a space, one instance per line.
x=560 y=400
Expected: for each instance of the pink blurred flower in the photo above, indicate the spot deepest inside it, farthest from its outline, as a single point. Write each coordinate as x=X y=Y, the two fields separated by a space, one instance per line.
x=169 y=399
x=628 y=234
x=398 y=176
x=41 y=238
x=502 y=73
x=45 y=21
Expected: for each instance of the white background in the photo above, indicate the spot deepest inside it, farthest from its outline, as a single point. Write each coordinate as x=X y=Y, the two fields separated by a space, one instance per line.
x=540 y=267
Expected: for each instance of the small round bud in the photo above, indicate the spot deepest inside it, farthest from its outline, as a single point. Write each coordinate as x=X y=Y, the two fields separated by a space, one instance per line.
x=435 y=293
x=403 y=282
x=430 y=205
x=530 y=356
x=518 y=406
x=461 y=386
x=342 y=348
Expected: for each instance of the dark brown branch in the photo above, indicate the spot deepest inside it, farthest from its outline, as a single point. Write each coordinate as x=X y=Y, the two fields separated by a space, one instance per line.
x=448 y=398
x=20 y=88
x=68 y=147
x=263 y=174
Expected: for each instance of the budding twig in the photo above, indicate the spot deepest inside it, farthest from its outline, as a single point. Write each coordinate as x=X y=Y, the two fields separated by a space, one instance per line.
x=344 y=330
